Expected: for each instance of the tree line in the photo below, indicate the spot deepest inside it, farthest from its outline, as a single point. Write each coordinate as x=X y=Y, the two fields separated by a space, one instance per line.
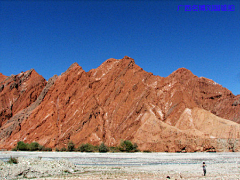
x=125 y=146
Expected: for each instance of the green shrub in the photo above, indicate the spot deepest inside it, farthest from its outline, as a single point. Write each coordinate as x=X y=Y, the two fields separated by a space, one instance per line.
x=103 y=148
x=14 y=149
x=46 y=149
x=127 y=146
x=12 y=160
x=114 y=149
x=21 y=146
x=71 y=146
x=41 y=148
x=34 y=146
x=147 y=151
x=86 y=148
x=63 y=149
x=95 y=148
x=135 y=147
x=90 y=148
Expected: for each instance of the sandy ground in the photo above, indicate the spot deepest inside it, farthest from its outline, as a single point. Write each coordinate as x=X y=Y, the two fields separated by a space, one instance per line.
x=142 y=165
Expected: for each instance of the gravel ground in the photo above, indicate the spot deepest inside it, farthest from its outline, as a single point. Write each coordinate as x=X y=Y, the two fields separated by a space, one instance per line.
x=74 y=165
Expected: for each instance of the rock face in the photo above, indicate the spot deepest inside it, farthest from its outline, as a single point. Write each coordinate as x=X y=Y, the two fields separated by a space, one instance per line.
x=17 y=92
x=119 y=100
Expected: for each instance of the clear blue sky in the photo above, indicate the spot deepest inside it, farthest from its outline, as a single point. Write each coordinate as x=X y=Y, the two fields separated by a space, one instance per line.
x=50 y=35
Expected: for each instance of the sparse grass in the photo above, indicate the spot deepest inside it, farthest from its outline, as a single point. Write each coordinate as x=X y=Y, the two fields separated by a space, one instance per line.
x=147 y=151
x=12 y=160
x=66 y=171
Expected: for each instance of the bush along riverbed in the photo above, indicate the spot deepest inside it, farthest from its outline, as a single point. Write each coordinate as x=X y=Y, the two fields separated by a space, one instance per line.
x=124 y=146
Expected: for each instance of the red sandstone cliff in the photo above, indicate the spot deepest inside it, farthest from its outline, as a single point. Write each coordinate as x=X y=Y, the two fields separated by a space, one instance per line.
x=17 y=92
x=119 y=100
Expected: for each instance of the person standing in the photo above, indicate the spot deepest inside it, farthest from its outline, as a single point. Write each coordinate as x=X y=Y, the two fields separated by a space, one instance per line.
x=204 y=168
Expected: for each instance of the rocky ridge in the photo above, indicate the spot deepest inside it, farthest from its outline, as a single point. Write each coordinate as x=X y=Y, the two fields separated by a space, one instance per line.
x=17 y=92
x=119 y=100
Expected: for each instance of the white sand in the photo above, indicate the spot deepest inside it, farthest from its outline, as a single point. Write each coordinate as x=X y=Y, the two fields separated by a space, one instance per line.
x=142 y=165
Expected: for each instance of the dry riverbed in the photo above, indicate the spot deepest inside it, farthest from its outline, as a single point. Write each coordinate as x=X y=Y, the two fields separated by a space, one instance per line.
x=75 y=165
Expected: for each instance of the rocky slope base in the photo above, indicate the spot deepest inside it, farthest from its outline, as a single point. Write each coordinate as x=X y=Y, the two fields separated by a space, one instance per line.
x=119 y=100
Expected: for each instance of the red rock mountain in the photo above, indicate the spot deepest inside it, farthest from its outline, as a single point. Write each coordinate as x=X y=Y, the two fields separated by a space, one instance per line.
x=2 y=77
x=119 y=100
x=18 y=92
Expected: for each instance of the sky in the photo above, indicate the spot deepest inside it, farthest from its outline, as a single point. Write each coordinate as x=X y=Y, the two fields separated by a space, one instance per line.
x=161 y=36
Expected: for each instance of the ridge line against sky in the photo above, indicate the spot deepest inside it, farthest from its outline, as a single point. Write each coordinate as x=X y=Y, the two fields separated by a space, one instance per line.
x=161 y=36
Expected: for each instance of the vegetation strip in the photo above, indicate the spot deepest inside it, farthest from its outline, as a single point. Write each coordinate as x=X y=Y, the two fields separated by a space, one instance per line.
x=125 y=146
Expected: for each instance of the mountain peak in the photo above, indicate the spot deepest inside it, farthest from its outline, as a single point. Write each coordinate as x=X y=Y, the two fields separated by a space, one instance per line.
x=183 y=71
x=127 y=57
x=1 y=74
x=2 y=77
x=73 y=66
